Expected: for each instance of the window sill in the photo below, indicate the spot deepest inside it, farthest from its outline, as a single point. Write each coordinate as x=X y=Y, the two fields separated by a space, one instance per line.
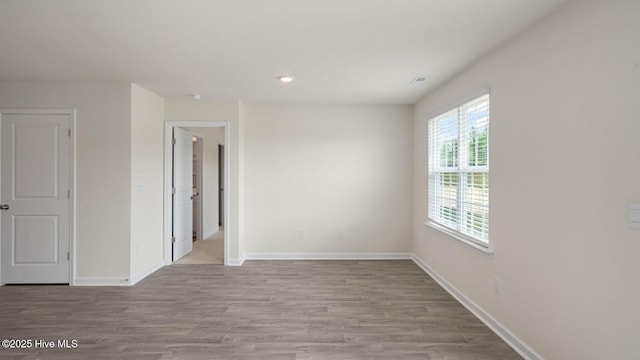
x=460 y=238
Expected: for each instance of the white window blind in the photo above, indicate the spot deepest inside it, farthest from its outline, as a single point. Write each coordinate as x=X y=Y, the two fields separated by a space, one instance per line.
x=459 y=170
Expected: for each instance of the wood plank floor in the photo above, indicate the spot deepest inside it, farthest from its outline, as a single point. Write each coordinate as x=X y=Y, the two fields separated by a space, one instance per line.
x=286 y=310
x=209 y=251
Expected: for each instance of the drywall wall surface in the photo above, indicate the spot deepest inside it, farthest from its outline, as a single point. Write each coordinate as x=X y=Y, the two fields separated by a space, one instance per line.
x=240 y=195
x=564 y=141
x=212 y=137
x=342 y=175
x=103 y=168
x=147 y=166
x=187 y=109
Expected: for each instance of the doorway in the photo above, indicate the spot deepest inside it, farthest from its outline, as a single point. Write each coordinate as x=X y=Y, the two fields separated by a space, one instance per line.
x=198 y=188
x=208 y=179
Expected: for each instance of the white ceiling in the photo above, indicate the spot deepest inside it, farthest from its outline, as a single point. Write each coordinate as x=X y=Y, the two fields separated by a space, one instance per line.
x=340 y=51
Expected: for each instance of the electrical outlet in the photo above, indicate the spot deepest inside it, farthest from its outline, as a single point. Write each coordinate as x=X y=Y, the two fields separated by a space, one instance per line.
x=301 y=234
x=497 y=287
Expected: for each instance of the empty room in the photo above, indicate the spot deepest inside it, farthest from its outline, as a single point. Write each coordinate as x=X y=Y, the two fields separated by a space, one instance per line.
x=301 y=179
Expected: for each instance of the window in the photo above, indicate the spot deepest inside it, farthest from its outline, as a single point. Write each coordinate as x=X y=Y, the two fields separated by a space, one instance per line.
x=459 y=171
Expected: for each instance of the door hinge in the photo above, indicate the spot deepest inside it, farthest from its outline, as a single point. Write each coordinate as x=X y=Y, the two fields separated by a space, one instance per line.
x=173 y=141
x=173 y=239
x=68 y=194
x=69 y=132
x=173 y=190
x=68 y=256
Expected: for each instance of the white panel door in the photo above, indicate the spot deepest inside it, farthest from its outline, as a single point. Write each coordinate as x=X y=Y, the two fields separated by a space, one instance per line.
x=35 y=220
x=183 y=193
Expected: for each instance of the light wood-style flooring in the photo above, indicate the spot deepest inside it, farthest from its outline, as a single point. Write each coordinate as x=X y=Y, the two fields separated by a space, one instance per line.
x=334 y=310
x=209 y=251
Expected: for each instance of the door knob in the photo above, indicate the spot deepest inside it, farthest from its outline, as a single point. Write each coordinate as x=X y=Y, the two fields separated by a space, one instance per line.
x=4 y=207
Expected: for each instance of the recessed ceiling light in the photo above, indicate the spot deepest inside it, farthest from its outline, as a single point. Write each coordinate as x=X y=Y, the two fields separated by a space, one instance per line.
x=286 y=78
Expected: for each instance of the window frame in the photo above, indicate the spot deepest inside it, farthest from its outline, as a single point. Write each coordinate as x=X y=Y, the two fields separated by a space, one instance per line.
x=462 y=170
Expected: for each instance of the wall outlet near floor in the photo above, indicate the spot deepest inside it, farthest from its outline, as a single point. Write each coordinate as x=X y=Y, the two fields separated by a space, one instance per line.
x=301 y=234
x=497 y=287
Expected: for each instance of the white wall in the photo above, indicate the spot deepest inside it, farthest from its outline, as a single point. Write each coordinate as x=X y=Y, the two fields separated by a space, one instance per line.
x=187 y=109
x=212 y=138
x=147 y=164
x=240 y=195
x=328 y=168
x=565 y=137
x=103 y=165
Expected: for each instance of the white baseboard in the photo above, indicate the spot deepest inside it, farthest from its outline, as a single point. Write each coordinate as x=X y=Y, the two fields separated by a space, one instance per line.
x=235 y=262
x=210 y=233
x=79 y=281
x=150 y=270
x=328 y=256
x=518 y=345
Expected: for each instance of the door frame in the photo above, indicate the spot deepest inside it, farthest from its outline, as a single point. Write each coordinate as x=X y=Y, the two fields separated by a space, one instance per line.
x=72 y=177
x=168 y=166
x=221 y=170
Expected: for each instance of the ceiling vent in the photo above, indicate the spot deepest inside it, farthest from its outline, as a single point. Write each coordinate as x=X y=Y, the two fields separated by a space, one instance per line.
x=418 y=80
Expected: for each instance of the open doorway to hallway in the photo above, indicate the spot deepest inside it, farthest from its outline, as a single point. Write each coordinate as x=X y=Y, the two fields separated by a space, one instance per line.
x=195 y=201
x=208 y=177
